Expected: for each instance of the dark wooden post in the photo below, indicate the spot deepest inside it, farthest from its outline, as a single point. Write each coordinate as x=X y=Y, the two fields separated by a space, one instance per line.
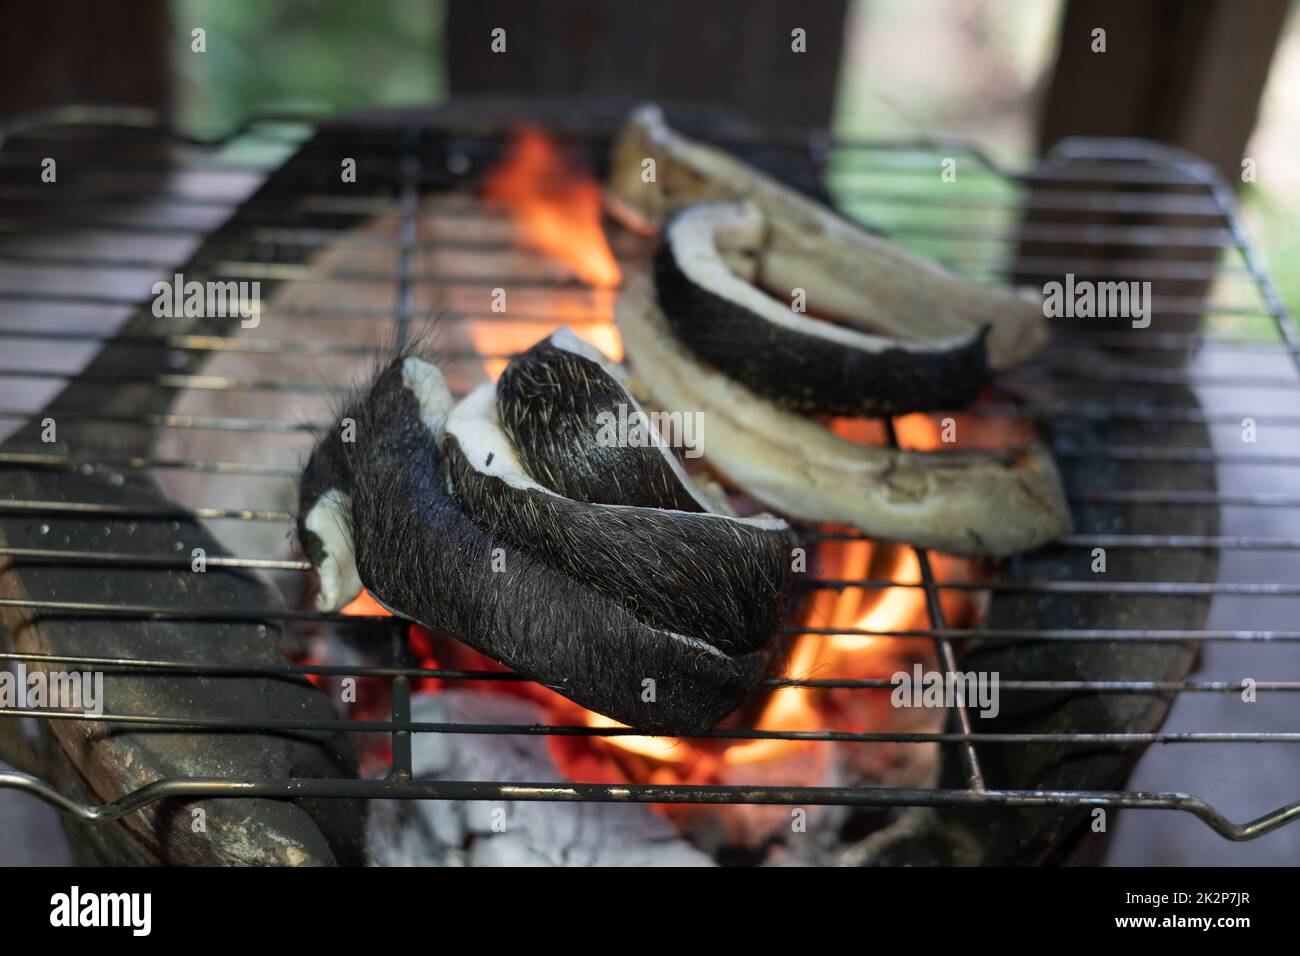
x=1189 y=73
x=729 y=53
x=58 y=52
x=1186 y=72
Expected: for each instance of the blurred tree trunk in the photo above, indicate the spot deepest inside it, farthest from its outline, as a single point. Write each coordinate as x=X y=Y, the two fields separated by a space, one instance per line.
x=730 y=53
x=1189 y=73
x=57 y=52
x=1185 y=72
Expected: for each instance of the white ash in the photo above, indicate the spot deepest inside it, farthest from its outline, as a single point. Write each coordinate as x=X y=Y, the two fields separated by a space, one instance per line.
x=530 y=833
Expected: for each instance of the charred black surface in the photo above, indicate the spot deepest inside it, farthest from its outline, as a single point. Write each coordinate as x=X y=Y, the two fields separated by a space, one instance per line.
x=422 y=556
x=809 y=373
x=550 y=401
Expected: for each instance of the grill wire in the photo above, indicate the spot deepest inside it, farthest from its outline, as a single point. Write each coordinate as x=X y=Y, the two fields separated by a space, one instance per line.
x=1216 y=252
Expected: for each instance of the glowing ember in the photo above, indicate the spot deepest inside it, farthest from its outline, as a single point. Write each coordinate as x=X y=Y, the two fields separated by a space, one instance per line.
x=660 y=748
x=363 y=605
x=555 y=209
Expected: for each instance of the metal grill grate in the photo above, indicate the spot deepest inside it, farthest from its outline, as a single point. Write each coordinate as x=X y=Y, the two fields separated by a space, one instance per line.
x=1115 y=209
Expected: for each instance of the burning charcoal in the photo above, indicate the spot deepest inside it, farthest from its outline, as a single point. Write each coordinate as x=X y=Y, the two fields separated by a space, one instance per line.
x=795 y=360
x=381 y=508
x=857 y=275
x=969 y=503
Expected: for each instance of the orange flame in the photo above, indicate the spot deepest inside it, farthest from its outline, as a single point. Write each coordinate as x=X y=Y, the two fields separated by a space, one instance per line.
x=554 y=209
x=504 y=338
x=847 y=655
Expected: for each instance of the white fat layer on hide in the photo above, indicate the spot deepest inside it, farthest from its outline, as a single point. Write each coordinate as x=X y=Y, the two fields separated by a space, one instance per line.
x=696 y=237
x=330 y=519
x=427 y=383
x=566 y=339
x=696 y=643
x=475 y=425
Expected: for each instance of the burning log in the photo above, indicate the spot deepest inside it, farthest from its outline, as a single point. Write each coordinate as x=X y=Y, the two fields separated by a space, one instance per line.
x=781 y=353
x=967 y=503
x=432 y=511
x=860 y=275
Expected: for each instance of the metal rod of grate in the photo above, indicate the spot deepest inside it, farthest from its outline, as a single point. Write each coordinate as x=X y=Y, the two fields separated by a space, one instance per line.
x=1193 y=225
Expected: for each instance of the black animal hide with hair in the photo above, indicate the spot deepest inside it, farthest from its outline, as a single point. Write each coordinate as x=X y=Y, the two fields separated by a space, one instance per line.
x=513 y=596
x=801 y=368
x=549 y=399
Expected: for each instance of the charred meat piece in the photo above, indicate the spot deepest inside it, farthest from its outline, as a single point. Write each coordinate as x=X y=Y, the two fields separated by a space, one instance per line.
x=557 y=400
x=968 y=503
x=382 y=509
x=799 y=362
x=846 y=272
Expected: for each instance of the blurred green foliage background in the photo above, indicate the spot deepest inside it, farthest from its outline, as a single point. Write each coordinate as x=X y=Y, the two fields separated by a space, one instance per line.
x=330 y=56
x=317 y=56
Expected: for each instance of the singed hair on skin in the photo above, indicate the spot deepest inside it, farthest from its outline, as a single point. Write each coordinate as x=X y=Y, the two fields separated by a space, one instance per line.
x=654 y=660
x=549 y=399
x=697 y=571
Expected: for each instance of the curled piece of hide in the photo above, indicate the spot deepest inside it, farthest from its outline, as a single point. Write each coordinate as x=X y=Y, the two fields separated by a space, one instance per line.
x=718 y=578
x=380 y=508
x=858 y=276
x=551 y=399
x=797 y=361
x=967 y=503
